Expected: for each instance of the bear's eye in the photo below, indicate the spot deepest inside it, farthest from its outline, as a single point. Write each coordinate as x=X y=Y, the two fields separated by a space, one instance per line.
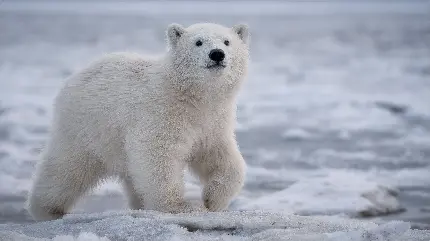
x=199 y=43
x=227 y=43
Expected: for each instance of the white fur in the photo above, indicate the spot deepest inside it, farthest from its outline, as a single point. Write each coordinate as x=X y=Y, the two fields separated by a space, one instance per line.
x=144 y=120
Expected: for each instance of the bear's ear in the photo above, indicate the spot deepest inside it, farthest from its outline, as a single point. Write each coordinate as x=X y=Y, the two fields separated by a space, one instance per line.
x=174 y=32
x=242 y=31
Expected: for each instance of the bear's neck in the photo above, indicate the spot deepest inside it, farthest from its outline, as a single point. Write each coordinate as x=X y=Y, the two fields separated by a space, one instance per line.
x=188 y=91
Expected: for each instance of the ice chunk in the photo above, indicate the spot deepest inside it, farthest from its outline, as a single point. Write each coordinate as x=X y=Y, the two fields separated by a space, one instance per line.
x=337 y=193
x=297 y=134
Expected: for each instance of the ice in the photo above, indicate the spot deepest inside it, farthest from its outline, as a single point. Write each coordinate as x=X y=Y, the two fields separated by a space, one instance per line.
x=336 y=193
x=244 y=225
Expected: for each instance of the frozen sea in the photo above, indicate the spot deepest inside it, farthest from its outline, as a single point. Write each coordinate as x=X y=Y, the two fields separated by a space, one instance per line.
x=334 y=118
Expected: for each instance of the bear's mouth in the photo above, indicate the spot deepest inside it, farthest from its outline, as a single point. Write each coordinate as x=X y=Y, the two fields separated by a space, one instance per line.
x=217 y=65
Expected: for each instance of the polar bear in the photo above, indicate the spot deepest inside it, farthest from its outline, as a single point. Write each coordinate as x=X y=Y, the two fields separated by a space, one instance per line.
x=144 y=120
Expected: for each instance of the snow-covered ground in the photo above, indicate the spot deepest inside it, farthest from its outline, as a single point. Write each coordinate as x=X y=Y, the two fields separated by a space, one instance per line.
x=237 y=226
x=334 y=118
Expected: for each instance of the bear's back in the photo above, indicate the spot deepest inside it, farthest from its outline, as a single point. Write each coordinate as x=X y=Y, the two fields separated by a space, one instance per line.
x=112 y=80
x=98 y=101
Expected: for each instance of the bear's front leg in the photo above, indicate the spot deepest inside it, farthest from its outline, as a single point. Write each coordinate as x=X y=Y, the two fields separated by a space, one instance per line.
x=223 y=171
x=156 y=170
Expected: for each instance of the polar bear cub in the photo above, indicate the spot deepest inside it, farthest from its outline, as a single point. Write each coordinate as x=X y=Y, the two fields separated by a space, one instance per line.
x=145 y=120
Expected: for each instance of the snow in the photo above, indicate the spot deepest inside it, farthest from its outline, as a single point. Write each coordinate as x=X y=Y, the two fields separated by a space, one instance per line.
x=84 y=236
x=244 y=225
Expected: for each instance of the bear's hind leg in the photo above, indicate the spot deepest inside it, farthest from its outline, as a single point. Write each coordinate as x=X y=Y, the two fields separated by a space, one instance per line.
x=59 y=182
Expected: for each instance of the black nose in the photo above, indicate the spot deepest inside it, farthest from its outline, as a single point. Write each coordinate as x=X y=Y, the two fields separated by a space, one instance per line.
x=217 y=55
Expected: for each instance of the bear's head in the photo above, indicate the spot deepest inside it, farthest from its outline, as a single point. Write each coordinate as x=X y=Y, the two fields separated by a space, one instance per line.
x=209 y=54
